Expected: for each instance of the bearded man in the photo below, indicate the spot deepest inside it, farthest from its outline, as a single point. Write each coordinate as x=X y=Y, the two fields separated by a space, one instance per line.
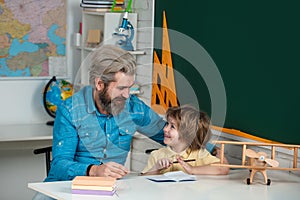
x=93 y=129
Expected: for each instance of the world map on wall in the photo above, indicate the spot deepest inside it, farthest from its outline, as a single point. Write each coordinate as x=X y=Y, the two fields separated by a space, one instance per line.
x=31 y=32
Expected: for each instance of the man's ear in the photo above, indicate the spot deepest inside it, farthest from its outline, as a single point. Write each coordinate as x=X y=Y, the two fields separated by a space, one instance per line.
x=99 y=84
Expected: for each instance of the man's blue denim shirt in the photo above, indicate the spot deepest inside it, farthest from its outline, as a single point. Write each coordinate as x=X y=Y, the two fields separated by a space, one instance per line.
x=83 y=136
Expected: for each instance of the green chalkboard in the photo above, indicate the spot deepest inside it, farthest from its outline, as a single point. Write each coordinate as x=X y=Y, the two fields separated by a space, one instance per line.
x=256 y=48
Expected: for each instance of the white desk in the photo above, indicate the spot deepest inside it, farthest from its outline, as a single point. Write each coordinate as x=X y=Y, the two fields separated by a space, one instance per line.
x=25 y=136
x=232 y=186
x=25 y=132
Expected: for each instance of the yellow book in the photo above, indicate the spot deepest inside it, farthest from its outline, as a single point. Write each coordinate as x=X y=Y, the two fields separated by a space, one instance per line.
x=94 y=181
x=92 y=187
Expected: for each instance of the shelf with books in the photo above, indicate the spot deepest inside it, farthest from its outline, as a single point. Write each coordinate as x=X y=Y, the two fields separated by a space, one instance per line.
x=103 y=5
x=101 y=28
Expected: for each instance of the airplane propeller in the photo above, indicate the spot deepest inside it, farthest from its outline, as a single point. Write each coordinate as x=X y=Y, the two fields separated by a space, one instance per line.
x=262 y=157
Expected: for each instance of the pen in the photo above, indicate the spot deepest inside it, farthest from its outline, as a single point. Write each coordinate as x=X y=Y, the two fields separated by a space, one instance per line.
x=188 y=160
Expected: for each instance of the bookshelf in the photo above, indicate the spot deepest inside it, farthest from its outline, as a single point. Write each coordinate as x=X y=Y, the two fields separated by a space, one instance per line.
x=107 y=23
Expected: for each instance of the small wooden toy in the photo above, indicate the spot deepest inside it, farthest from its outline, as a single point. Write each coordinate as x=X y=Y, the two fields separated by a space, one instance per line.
x=258 y=161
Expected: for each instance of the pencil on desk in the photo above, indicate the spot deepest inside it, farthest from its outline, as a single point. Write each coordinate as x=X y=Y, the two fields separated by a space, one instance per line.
x=188 y=160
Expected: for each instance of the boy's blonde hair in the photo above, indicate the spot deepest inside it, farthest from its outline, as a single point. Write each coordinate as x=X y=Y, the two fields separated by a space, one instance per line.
x=193 y=126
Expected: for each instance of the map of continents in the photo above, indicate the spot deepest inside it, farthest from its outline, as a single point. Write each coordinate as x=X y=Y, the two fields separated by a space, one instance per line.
x=30 y=32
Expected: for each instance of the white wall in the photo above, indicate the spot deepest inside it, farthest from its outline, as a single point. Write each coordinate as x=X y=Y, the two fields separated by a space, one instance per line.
x=145 y=31
x=21 y=103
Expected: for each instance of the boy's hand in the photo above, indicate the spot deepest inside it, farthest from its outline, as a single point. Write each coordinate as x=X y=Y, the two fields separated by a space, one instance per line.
x=186 y=166
x=163 y=163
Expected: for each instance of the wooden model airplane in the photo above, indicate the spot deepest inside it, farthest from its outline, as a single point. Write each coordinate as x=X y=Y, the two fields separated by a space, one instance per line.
x=258 y=161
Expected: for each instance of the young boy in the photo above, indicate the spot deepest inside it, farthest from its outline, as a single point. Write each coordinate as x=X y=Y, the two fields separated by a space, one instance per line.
x=186 y=133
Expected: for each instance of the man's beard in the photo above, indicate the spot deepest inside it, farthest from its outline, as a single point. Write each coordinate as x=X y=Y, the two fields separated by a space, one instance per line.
x=114 y=106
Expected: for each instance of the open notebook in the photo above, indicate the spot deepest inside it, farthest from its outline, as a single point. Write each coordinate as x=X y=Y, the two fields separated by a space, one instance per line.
x=177 y=176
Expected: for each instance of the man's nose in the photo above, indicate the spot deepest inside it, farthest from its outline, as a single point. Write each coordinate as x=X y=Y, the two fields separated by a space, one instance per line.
x=126 y=93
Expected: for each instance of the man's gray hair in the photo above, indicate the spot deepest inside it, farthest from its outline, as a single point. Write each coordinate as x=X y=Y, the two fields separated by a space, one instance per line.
x=107 y=60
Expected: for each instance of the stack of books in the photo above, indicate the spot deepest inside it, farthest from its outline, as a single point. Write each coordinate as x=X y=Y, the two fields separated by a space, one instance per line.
x=92 y=185
x=102 y=5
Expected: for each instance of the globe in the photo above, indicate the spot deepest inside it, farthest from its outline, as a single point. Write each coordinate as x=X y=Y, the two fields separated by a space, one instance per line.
x=54 y=93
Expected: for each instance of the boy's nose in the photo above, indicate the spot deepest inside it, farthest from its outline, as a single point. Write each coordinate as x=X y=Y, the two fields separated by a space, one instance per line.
x=166 y=128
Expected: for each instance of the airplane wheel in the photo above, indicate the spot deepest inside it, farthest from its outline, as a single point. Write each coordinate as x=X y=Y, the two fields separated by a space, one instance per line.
x=269 y=182
x=248 y=181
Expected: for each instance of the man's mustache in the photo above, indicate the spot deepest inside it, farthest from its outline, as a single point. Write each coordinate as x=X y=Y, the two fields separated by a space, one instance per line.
x=119 y=99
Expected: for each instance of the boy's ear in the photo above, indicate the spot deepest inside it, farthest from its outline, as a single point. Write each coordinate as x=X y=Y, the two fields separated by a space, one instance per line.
x=99 y=84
